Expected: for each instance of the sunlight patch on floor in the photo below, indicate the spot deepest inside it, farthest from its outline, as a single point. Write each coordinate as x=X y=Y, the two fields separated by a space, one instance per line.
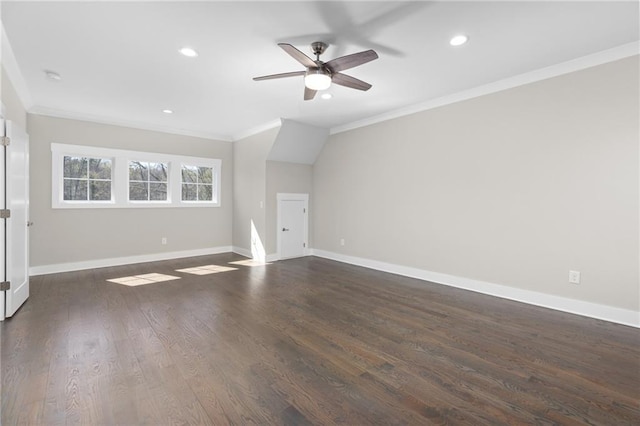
x=207 y=269
x=249 y=262
x=136 y=280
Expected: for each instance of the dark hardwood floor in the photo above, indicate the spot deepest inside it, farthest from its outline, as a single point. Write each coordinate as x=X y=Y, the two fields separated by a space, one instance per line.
x=304 y=341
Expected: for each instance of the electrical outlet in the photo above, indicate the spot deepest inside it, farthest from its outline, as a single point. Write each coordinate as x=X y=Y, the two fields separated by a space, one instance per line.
x=574 y=277
x=341 y=241
x=164 y=241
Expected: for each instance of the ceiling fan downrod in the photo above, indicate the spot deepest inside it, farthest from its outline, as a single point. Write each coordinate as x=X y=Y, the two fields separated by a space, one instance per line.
x=318 y=48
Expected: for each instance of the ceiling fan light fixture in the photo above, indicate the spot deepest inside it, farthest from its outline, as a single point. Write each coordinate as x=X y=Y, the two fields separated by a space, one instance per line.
x=317 y=80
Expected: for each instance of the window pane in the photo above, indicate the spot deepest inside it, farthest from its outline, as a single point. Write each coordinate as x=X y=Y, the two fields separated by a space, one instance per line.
x=189 y=174
x=75 y=189
x=99 y=168
x=138 y=171
x=157 y=191
x=75 y=167
x=158 y=172
x=138 y=191
x=189 y=192
x=204 y=174
x=100 y=190
x=204 y=192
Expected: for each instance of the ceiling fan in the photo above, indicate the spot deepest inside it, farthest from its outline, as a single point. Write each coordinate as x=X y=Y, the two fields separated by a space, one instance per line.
x=319 y=75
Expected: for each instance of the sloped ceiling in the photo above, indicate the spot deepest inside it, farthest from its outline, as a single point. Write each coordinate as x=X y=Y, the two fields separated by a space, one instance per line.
x=298 y=143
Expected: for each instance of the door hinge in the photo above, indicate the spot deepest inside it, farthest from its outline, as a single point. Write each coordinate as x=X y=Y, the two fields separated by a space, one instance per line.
x=304 y=210
x=304 y=244
x=5 y=286
x=5 y=214
x=5 y=140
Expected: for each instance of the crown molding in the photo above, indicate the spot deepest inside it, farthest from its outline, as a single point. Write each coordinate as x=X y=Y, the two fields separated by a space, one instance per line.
x=13 y=72
x=599 y=58
x=10 y=65
x=51 y=112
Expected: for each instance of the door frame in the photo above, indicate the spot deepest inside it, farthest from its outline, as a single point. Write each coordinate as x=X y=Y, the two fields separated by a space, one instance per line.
x=280 y=197
x=3 y=258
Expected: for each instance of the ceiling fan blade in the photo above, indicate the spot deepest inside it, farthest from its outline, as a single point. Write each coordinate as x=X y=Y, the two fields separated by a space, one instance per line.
x=309 y=93
x=282 y=75
x=349 y=61
x=298 y=55
x=351 y=82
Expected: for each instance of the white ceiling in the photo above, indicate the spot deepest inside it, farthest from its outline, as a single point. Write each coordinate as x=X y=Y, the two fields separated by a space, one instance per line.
x=119 y=61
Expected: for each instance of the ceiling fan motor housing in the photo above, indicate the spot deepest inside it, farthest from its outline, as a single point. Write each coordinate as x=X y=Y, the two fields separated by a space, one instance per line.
x=318 y=48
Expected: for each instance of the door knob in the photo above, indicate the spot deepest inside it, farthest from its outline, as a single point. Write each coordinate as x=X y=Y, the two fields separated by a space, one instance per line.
x=285 y=229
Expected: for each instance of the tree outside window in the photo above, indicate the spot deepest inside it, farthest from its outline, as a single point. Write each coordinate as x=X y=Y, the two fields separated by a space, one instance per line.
x=197 y=183
x=148 y=181
x=86 y=178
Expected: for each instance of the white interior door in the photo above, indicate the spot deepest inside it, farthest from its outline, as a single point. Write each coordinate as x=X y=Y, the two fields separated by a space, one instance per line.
x=16 y=183
x=292 y=225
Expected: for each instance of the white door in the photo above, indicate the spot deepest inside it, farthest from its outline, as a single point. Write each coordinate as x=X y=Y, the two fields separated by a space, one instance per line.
x=16 y=200
x=292 y=225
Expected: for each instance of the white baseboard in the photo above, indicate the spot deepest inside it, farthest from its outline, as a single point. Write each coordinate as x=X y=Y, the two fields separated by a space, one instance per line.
x=273 y=257
x=116 y=261
x=578 y=307
x=242 y=252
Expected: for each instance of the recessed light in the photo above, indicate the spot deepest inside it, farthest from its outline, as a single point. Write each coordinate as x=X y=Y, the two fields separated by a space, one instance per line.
x=167 y=111
x=52 y=75
x=326 y=96
x=459 y=40
x=189 y=52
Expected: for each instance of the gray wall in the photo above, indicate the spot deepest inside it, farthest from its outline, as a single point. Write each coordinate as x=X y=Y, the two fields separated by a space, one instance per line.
x=249 y=186
x=286 y=178
x=72 y=235
x=514 y=188
x=14 y=110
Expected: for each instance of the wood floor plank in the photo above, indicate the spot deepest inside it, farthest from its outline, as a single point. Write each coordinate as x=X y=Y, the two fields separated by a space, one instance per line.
x=300 y=342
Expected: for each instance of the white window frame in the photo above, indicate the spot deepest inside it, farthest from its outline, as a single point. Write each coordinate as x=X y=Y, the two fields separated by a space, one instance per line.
x=120 y=177
x=215 y=182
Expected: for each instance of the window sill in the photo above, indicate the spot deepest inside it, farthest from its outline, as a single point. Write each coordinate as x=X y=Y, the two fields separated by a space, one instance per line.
x=131 y=205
